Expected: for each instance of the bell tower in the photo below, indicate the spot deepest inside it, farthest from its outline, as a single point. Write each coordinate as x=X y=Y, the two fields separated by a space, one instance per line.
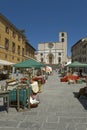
x=63 y=37
x=63 y=42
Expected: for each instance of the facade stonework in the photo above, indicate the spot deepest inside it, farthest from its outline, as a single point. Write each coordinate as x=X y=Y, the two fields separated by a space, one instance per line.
x=79 y=51
x=13 y=44
x=53 y=52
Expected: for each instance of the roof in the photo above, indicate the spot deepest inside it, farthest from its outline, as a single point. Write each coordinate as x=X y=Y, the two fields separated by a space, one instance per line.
x=4 y=18
x=80 y=41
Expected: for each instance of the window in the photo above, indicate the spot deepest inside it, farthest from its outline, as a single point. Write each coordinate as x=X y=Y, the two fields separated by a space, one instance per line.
x=19 y=38
x=50 y=58
x=5 y=56
x=7 y=29
x=18 y=49
x=62 y=34
x=6 y=44
x=22 y=51
x=84 y=46
x=14 y=34
x=0 y=37
x=59 y=53
x=59 y=59
x=41 y=59
x=13 y=47
x=62 y=40
x=12 y=57
x=18 y=59
x=41 y=54
x=23 y=40
x=27 y=50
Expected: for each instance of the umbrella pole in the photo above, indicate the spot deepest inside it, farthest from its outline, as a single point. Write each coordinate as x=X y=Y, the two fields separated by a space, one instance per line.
x=13 y=70
x=33 y=71
x=28 y=93
x=86 y=81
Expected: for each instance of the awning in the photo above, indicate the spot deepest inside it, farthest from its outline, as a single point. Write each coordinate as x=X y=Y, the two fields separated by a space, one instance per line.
x=68 y=63
x=4 y=62
x=48 y=69
x=30 y=63
x=77 y=64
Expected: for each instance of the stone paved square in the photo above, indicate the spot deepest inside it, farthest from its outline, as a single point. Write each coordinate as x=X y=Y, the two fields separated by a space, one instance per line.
x=59 y=109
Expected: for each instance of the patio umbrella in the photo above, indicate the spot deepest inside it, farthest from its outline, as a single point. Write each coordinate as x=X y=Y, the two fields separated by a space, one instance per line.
x=77 y=64
x=30 y=63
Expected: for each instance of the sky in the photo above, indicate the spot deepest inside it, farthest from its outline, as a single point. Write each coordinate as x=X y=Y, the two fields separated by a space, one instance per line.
x=42 y=20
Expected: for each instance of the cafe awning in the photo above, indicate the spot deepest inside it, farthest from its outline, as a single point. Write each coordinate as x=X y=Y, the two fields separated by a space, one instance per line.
x=4 y=62
x=30 y=63
x=77 y=64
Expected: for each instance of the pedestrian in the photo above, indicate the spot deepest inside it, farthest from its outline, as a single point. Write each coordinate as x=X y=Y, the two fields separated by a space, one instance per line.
x=16 y=72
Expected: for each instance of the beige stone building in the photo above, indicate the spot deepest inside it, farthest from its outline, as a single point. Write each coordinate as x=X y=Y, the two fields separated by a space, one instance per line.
x=13 y=44
x=53 y=53
x=79 y=51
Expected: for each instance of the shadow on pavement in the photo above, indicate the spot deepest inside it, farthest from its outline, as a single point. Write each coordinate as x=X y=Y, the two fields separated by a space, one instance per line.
x=82 y=100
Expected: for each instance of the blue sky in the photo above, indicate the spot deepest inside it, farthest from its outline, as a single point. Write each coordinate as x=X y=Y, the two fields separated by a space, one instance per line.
x=44 y=19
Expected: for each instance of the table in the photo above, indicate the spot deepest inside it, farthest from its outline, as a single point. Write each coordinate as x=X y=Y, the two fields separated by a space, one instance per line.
x=5 y=96
x=42 y=78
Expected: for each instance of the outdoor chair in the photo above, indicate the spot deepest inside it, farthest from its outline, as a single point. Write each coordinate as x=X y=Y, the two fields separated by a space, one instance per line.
x=22 y=97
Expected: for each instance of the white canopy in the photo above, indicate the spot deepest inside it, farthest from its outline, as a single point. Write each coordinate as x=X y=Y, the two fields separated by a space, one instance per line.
x=48 y=68
x=4 y=62
x=68 y=63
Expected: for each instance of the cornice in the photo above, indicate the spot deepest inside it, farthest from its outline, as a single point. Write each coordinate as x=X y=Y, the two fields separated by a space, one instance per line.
x=10 y=24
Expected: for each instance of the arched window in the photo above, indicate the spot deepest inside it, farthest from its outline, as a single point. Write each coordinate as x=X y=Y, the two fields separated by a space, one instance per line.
x=62 y=40
x=6 y=44
x=59 y=59
x=50 y=58
x=41 y=59
x=62 y=34
x=41 y=54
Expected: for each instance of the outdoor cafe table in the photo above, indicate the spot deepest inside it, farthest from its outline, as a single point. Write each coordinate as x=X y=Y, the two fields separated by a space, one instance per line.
x=39 y=78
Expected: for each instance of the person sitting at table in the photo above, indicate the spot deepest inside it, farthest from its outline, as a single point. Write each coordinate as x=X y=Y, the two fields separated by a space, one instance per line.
x=70 y=78
x=39 y=72
x=80 y=72
x=82 y=92
x=35 y=89
x=33 y=101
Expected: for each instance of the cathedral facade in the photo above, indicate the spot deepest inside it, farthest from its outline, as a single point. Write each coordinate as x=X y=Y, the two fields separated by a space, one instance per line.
x=53 y=53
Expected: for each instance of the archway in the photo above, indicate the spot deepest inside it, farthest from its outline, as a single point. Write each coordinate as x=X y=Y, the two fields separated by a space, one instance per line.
x=50 y=58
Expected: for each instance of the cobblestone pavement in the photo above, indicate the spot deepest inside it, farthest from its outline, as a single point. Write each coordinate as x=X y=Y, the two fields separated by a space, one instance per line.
x=59 y=109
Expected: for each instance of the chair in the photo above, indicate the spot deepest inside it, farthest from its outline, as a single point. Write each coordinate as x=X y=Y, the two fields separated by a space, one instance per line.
x=18 y=98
